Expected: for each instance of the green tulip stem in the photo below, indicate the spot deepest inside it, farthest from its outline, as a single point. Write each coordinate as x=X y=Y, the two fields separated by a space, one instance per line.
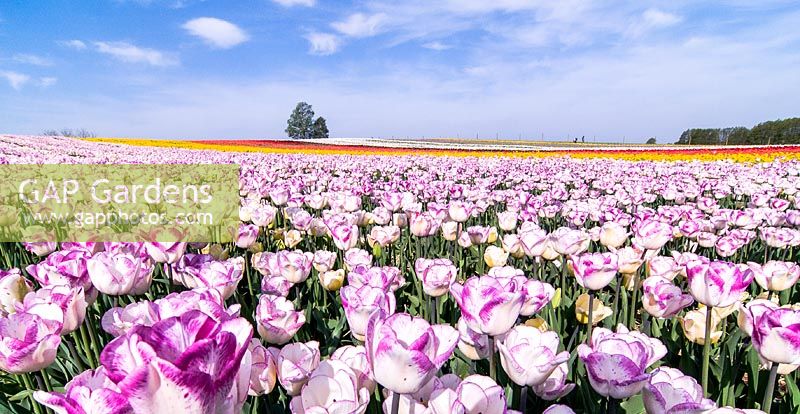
x=26 y=379
x=706 y=349
x=589 y=321
x=492 y=360
x=523 y=399
x=769 y=392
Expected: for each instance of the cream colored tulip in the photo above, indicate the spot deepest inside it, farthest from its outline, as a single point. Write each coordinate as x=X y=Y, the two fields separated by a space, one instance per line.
x=599 y=310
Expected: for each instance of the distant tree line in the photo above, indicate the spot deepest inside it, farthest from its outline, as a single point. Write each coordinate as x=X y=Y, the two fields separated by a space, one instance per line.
x=67 y=132
x=779 y=132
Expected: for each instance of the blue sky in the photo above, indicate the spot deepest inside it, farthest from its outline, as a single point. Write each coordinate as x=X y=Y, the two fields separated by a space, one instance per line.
x=614 y=70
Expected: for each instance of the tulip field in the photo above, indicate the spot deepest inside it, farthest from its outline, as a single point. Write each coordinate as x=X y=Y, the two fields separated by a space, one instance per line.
x=424 y=281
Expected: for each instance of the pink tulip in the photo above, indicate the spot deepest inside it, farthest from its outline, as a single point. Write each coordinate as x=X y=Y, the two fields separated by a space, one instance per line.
x=296 y=362
x=436 y=275
x=487 y=305
x=480 y=394
x=360 y=303
x=529 y=355
x=120 y=273
x=662 y=299
x=264 y=371
x=355 y=357
x=277 y=320
x=774 y=275
x=61 y=304
x=190 y=363
x=333 y=387
x=617 y=362
x=89 y=392
x=718 y=283
x=28 y=342
x=405 y=352
x=652 y=234
x=594 y=271
x=246 y=235
x=555 y=386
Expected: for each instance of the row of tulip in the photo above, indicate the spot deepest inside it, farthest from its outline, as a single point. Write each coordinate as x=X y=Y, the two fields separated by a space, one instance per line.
x=422 y=284
x=392 y=147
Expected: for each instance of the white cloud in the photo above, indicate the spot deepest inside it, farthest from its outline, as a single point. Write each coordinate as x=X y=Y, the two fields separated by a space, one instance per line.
x=658 y=18
x=323 y=44
x=360 y=25
x=216 y=32
x=290 y=3
x=15 y=79
x=652 y=19
x=127 y=52
x=47 y=81
x=74 y=44
x=438 y=46
x=32 y=60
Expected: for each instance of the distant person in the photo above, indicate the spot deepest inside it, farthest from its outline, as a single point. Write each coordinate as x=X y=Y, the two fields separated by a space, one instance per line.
x=583 y=139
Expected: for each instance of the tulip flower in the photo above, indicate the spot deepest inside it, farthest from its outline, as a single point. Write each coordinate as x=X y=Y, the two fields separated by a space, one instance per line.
x=120 y=273
x=323 y=260
x=65 y=267
x=344 y=236
x=774 y=275
x=355 y=357
x=189 y=362
x=360 y=303
x=594 y=271
x=558 y=409
x=294 y=266
x=599 y=310
x=613 y=235
x=436 y=275
x=264 y=371
x=474 y=345
x=277 y=320
x=616 y=362
x=529 y=356
x=332 y=280
x=507 y=220
x=28 y=342
x=776 y=335
x=89 y=392
x=555 y=386
x=652 y=234
x=357 y=257
x=488 y=306
x=459 y=211
x=718 y=283
x=296 y=362
x=420 y=225
x=662 y=299
x=537 y=295
x=385 y=277
x=694 y=323
x=480 y=394
x=671 y=391
x=58 y=303
x=405 y=352
x=276 y=285
x=663 y=266
x=495 y=256
x=332 y=387
x=166 y=252
x=13 y=288
x=733 y=410
x=570 y=242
